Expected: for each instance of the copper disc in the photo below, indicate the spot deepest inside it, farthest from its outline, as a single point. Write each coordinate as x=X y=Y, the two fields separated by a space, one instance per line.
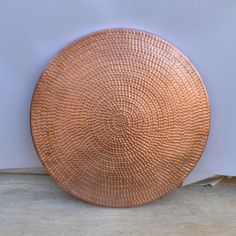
x=120 y=117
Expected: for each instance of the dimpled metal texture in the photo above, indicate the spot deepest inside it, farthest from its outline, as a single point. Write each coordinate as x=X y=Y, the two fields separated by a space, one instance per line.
x=120 y=117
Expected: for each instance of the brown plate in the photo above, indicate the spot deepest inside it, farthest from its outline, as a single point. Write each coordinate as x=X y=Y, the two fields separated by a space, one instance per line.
x=120 y=117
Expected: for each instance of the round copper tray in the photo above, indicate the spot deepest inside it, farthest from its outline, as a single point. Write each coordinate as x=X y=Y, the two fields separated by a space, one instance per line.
x=120 y=117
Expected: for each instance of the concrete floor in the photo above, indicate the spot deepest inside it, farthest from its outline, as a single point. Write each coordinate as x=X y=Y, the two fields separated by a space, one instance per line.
x=34 y=205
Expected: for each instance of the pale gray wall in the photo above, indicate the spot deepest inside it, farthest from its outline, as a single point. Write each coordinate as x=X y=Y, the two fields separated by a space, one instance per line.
x=31 y=33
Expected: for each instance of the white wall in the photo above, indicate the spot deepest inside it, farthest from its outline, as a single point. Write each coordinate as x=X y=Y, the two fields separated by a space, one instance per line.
x=32 y=32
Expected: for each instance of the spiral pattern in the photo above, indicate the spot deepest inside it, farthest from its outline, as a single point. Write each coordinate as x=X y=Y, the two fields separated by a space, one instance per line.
x=119 y=117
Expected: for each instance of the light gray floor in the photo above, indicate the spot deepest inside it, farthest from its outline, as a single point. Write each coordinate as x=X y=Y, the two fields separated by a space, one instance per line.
x=34 y=205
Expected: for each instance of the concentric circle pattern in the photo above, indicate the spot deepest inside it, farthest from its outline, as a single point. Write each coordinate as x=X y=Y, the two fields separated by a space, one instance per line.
x=120 y=117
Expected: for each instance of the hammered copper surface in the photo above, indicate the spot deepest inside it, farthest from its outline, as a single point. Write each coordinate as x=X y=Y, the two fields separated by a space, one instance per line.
x=120 y=117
